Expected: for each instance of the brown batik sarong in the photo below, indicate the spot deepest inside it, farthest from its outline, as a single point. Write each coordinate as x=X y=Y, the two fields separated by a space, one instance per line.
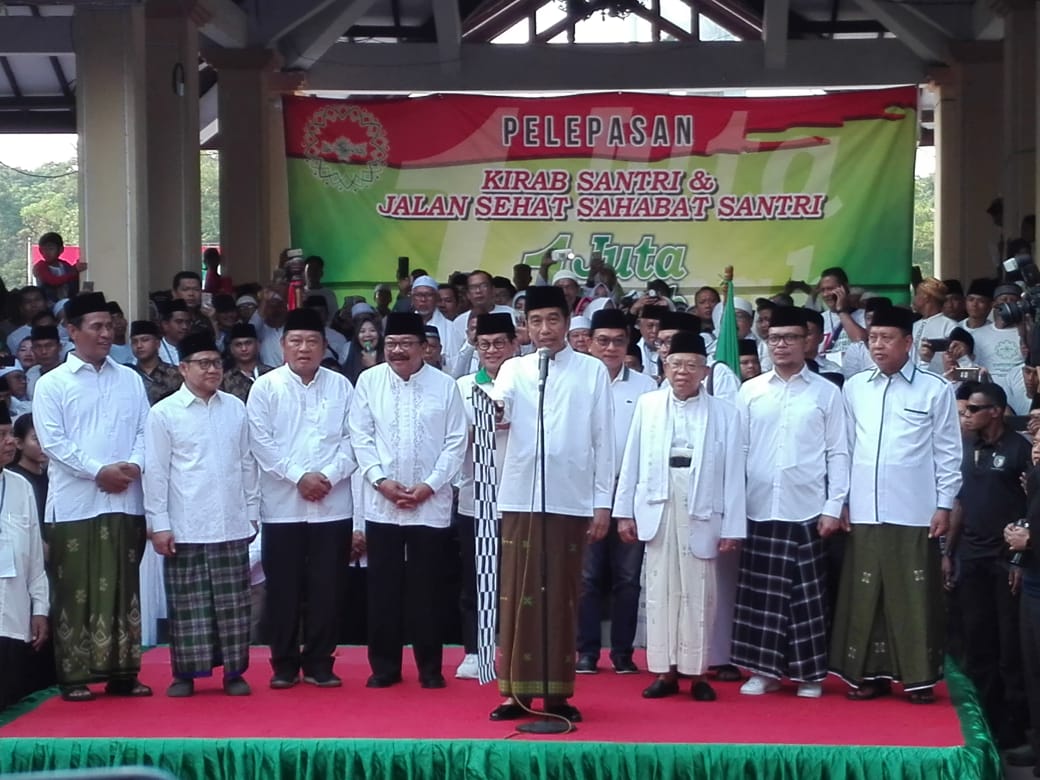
x=520 y=646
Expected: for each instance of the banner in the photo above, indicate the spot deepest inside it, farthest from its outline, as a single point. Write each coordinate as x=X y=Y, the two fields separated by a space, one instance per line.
x=664 y=187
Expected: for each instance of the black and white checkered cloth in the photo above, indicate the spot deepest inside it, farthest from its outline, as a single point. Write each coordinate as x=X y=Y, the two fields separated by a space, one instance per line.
x=485 y=481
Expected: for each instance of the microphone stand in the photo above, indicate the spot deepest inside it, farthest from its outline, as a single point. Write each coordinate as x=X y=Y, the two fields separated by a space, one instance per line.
x=546 y=725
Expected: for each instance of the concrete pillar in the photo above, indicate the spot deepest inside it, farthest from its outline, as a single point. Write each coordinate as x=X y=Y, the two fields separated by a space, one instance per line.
x=1020 y=114
x=253 y=205
x=968 y=161
x=110 y=118
x=173 y=142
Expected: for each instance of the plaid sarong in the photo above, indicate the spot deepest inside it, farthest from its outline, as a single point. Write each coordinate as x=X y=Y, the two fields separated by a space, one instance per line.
x=209 y=608
x=780 y=621
x=95 y=597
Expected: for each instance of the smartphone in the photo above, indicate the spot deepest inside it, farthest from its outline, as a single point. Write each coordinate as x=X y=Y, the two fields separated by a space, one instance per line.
x=560 y=255
x=207 y=300
x=402 y=267
x=87 y=286
x=967 y=374
x=939 y=345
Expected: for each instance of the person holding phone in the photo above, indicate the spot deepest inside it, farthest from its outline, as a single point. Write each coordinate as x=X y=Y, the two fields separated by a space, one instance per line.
x=843 y=324
x=931 y=332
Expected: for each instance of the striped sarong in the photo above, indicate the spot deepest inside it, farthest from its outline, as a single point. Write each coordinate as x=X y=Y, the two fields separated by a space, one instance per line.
x=95 y=597
x=780 y=622
x=209 y=607
x=890 y=618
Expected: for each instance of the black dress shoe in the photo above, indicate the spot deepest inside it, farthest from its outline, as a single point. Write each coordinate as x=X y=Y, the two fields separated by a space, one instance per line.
x=323 y=679
x=508 y=711
x=433 y=682
x=586 y=664
x=727 y=673
x=659 y=688
x=565 y=710
x=283 y=680
x=1020 y=756
x=623 y=664
x=701 y=691
x=375 y=681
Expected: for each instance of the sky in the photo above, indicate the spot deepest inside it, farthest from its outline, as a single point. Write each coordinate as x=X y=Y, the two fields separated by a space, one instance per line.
x=31 y=151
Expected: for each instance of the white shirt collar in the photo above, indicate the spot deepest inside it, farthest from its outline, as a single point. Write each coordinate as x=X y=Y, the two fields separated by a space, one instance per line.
x=907 y=371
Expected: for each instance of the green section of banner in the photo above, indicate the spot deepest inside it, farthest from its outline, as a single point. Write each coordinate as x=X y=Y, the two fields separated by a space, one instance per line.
x=861 y=177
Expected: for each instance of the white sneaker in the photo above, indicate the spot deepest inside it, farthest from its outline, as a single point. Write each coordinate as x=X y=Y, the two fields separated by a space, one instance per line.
x=810 y=690
x=468 y=669
x=760 y=684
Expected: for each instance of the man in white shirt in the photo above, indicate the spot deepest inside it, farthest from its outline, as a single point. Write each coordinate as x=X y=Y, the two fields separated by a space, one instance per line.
x=496 y=343
x=424 y=299
x=681 y=490
x=89 y=415
x=201 y=502
x=409 y=431
x=797 y=483
x=904 y=438
x=175 y=321
x=299 y=436
x=648 y=324
x=46 y=347
x=611 y=566
x=481 y=293
x=579 y=486
x=929 y=299
x=24 y=593
x=721 y=382
x=842 y=324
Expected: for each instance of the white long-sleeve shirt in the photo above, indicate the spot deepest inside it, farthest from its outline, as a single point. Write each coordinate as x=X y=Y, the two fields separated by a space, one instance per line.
x=579 y=435
x=86 y=419
x=625 y=390
x=798 y=457
x=26 y=593
x=905 y=443
x=295 y=429
x=200 y=478
x=409 y=431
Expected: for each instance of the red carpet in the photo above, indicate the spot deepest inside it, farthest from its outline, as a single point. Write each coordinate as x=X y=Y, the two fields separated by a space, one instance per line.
x=613 y=708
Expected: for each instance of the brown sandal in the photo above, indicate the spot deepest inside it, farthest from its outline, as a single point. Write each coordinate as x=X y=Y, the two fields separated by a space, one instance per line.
x=77 y=693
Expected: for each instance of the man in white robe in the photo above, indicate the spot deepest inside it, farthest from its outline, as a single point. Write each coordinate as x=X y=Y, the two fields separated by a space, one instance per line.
x=681 y=490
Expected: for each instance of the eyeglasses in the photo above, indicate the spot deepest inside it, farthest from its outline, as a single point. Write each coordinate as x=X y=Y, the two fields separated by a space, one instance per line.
x=606 y=341
x=479 y=286
x=774 y=339
x=488 y=346
x=403 y=344
x=683 y=365
x=976 y=408
x=207 y=364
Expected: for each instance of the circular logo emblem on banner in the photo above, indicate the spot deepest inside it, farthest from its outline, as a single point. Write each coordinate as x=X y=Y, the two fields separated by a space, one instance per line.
x=346 y=147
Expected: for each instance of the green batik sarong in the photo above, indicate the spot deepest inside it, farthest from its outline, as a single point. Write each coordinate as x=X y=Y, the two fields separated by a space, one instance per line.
x=95 y=597
x=889 y=622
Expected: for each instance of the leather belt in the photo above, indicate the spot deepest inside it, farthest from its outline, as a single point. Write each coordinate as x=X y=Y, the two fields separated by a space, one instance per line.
x=679 y=461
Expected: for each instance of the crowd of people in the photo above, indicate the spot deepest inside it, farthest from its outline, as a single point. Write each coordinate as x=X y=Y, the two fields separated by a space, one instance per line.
x=853 y=497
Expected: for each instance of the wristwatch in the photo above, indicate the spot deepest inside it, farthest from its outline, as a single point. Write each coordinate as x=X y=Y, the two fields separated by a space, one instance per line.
x=378 y=482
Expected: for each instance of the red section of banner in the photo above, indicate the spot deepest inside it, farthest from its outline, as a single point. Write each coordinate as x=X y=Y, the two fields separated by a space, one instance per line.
x=632 y=127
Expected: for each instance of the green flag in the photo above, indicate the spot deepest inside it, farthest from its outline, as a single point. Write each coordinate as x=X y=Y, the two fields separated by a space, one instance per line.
x=726 y=347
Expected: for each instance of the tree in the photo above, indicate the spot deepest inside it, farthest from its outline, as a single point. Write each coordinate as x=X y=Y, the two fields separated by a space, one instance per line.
x=209 y=185
x=924 y=224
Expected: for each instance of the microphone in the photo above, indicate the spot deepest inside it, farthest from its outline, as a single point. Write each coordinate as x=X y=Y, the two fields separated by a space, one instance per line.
x=543 y=366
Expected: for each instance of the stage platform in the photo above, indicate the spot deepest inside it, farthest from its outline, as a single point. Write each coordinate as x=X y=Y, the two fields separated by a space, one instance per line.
x=407 y=732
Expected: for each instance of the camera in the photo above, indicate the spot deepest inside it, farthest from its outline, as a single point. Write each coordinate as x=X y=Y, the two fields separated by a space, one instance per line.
x=1016 y=311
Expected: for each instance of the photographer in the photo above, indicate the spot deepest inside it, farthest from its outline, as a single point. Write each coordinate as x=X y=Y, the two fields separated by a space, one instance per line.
x=843 y=324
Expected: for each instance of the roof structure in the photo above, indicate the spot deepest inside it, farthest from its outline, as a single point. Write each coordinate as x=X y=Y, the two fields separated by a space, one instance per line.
x=357 y=46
